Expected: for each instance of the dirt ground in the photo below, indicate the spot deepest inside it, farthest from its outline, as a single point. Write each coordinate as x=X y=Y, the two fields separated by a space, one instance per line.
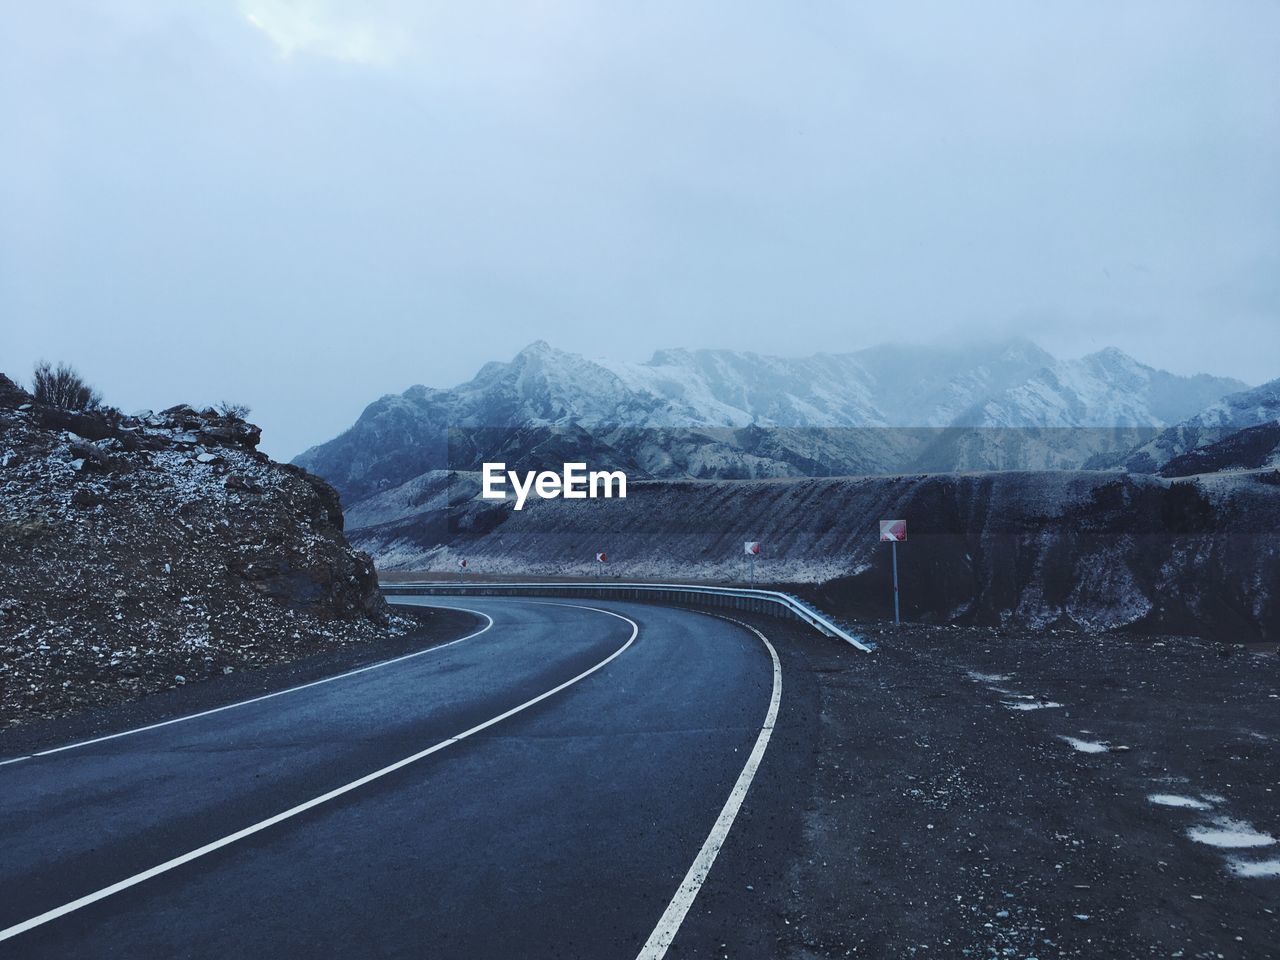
x=979 y=793
x=423 y=628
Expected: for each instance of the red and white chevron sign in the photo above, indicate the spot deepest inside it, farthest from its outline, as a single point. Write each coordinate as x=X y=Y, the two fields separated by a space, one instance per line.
x=751 y=548
x=893 y=530
x=602 y=558
x=463 y=564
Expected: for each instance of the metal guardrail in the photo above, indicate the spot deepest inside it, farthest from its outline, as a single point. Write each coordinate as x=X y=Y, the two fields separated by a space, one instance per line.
x=736 y=598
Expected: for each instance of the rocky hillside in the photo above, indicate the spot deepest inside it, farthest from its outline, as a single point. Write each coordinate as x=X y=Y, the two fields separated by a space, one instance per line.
x=731 y=415
x=1031 y=550
x=1252 y=448
x=1218 y=421
x=142 y=552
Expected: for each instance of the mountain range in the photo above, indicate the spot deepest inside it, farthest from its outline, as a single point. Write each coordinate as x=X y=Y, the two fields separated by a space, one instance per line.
x=1219 y=430
x=723 y=414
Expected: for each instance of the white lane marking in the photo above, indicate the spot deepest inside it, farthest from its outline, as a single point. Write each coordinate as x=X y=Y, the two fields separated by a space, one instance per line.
x=261 y=825
x=265 y=696
x=659 y=941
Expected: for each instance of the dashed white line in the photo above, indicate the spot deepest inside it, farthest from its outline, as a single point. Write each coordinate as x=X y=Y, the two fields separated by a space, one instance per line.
x=265 y=696
x=261 y=825
x=659 y=941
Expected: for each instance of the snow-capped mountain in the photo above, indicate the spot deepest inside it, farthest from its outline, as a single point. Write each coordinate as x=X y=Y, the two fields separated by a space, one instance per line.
x=1069 y=412
x=730 y=414
x=1217 y=421
x=1105 y=389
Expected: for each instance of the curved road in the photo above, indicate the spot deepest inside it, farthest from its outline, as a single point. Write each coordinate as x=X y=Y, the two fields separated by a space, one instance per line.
x=554 y=785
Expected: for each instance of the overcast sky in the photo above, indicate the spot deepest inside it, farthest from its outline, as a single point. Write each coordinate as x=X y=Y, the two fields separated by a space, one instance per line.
x=305 y=205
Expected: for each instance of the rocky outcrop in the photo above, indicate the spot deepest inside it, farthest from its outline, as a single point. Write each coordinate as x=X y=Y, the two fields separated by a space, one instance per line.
x=139 y=552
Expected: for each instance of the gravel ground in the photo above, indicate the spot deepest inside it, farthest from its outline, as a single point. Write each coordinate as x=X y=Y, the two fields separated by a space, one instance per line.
x=418 y=629
x=978 y=793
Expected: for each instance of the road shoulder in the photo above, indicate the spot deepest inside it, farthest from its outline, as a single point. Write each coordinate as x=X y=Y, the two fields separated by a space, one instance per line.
x=431 y=626
x=990 y=793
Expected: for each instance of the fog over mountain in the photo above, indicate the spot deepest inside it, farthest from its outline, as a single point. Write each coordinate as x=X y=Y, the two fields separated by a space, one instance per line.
x=300 y=204
x=729 y=414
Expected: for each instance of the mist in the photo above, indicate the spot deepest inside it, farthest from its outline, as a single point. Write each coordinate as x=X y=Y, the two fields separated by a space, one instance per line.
x=302 y=206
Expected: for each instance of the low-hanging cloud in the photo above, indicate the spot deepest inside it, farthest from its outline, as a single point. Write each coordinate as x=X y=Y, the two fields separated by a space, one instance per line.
x=305 y=205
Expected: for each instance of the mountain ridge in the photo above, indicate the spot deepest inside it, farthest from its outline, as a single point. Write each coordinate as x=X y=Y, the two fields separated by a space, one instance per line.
x=718 y=413
x=1217 y=422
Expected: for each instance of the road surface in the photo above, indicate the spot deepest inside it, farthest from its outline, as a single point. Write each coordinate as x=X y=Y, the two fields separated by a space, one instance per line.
x=555 y=785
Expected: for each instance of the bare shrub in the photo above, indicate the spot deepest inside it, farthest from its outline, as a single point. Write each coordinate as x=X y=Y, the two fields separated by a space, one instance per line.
x=62 y=387
x=234 y=411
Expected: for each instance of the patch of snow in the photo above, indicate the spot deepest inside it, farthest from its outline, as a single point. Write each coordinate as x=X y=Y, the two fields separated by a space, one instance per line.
x=1231 y=835
x=1254 y=868
x=1177 y=800
x=1037 y=705
x=1086 y=746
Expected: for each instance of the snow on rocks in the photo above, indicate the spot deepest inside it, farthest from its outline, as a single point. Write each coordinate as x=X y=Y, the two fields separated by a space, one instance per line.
x=128 y=561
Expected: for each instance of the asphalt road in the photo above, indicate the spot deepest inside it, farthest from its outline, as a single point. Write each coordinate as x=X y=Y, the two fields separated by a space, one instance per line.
x=550 y=787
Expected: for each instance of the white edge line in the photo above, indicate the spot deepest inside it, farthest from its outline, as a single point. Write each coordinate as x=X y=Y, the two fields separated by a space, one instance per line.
x=261 y=825
x=655 y=948
x=265 y=696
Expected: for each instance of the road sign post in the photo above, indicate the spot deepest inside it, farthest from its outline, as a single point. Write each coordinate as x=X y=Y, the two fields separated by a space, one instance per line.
x=894 y=531
x=752 y=549
x=896 y=618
